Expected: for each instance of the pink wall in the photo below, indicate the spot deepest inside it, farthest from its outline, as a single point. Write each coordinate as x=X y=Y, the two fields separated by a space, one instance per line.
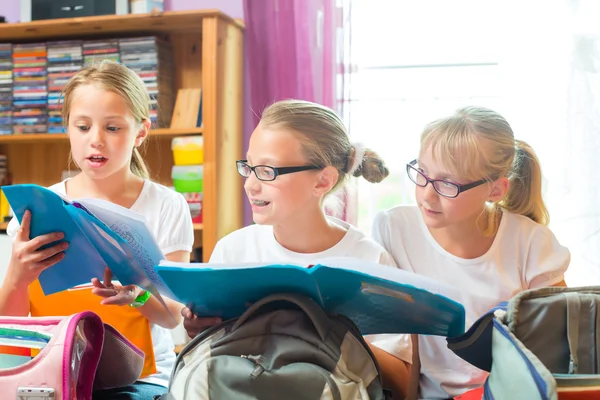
x=234 y=8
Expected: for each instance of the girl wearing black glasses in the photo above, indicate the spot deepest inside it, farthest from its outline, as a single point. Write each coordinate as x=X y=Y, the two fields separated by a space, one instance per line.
x=480 y=224
x=298 y=155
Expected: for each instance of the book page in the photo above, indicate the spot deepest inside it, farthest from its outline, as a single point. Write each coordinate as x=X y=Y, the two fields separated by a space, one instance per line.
x=132 y=228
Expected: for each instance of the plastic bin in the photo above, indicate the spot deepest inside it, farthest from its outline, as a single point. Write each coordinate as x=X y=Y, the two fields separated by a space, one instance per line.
x=188 y=178
x=188 y=150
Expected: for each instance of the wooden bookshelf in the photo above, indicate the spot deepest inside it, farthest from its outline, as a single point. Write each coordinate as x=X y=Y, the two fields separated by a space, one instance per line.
x=207 y=54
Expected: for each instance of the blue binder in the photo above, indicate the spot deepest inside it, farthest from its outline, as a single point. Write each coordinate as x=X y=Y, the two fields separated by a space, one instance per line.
x=377 y=298
x=110 y=236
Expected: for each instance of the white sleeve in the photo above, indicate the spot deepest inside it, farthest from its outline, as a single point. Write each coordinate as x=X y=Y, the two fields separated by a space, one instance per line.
x=386 y=259
x=381 y=230
x=177 y=230
x=218 y=254
x=13 y=227
x=400 y=346
x=547 y=260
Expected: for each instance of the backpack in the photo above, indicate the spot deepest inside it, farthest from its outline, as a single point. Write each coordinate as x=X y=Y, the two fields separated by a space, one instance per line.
x=63 y=357
x=542 y=344
x=282 y=344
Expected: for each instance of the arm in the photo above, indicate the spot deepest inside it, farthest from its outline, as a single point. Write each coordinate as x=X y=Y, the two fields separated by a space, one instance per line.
x=415 y=371
x=394 y=372
x=27 y=261
x=153 y=310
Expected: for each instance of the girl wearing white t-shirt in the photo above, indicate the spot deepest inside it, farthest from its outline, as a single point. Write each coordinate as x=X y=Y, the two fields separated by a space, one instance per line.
x=479 y=224
x=106 y=110
x=298 y=154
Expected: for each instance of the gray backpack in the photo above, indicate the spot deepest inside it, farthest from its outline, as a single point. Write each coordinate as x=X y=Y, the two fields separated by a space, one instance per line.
x=541 y=345
x=283 y=346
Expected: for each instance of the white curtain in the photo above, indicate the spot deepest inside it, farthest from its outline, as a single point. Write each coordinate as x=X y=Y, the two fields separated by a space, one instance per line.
x=537 y=62
x=551 y=70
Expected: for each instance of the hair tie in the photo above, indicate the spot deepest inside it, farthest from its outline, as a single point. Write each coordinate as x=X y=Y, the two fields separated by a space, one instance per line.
x=359 y=154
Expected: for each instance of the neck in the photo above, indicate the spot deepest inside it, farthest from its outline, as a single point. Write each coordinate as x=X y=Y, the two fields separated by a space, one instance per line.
x=120 y=187
x=308 y=233
x=464 y=240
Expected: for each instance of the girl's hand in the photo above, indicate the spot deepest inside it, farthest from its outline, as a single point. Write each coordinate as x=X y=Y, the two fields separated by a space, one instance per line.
x=27 y=260
x=114 y=294
x=194 y=325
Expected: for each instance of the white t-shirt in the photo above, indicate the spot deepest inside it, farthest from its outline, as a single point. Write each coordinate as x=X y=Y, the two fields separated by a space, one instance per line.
x=256 y=243
x=524 y=255
x=168 y=217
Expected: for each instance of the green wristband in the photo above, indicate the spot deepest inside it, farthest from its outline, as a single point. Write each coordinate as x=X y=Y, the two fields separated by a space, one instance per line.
x=141 y=299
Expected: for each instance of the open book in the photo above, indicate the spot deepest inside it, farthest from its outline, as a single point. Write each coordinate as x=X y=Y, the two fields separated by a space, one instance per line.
x=379 y=299
x=100 y=234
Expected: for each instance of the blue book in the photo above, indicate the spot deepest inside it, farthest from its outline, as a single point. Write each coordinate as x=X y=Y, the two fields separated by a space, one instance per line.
x=379 y=299
x=100 y=234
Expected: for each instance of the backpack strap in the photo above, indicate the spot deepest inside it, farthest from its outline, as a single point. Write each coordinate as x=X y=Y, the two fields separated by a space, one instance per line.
x=573 y=312
x=318 y=317
x=475 y=345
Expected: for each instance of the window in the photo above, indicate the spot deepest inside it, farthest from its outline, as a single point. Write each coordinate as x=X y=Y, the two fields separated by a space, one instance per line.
x=412 y=62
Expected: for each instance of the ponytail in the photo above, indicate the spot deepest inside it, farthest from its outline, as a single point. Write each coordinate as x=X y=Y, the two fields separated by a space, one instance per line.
x=525 y=192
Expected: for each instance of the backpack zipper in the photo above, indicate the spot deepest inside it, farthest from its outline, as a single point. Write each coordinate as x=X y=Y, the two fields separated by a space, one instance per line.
x=258 y=361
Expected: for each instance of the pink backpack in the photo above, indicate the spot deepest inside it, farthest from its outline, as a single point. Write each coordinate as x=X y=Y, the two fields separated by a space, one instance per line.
x=64 y=357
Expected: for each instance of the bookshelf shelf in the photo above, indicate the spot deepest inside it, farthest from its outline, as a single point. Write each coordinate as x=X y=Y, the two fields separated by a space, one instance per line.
x=58 y=137
x=207 y=51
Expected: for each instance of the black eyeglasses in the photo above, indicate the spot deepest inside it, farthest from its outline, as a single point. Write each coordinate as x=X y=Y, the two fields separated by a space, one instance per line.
x=442 y=187
x=268 y=173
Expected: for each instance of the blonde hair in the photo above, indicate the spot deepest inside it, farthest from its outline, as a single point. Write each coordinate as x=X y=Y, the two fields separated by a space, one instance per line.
x=476 y=143
x=324 y=139
x=121 y=80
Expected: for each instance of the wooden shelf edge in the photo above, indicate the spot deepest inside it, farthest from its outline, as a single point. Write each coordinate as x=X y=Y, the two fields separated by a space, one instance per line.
x=51 y=137
x=166 y=21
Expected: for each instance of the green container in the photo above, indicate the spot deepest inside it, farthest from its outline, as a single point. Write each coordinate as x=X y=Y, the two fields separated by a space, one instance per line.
x=188 y=178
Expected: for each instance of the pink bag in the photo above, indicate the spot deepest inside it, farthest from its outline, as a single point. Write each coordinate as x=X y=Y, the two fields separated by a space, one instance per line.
x=64 y=358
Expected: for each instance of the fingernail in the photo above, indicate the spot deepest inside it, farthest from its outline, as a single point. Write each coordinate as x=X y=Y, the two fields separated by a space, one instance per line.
x=59 y=234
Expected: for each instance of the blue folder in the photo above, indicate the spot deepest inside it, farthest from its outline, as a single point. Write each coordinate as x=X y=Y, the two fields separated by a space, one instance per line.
x=131 y=253
x=378 y=299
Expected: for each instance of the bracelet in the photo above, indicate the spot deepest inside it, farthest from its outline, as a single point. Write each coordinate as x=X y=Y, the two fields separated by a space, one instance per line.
x=141 y=299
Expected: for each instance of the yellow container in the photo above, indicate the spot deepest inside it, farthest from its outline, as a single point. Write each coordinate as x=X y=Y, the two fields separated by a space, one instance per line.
x=4 y=207
x=188 y=150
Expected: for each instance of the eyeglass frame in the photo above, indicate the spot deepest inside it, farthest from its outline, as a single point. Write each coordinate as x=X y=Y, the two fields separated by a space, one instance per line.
x=461 y=188
x=277 y=171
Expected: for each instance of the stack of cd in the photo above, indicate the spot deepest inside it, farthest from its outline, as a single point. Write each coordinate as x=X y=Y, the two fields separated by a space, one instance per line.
x=30 y=88
x=64 y=60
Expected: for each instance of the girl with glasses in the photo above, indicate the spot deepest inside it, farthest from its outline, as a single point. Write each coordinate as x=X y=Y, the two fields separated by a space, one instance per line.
x=480 y=224
x=298 y=155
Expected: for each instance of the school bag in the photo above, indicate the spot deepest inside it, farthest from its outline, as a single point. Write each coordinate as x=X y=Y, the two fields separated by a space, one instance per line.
x=282 y=347
x=542 y=344
x=63 y=357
